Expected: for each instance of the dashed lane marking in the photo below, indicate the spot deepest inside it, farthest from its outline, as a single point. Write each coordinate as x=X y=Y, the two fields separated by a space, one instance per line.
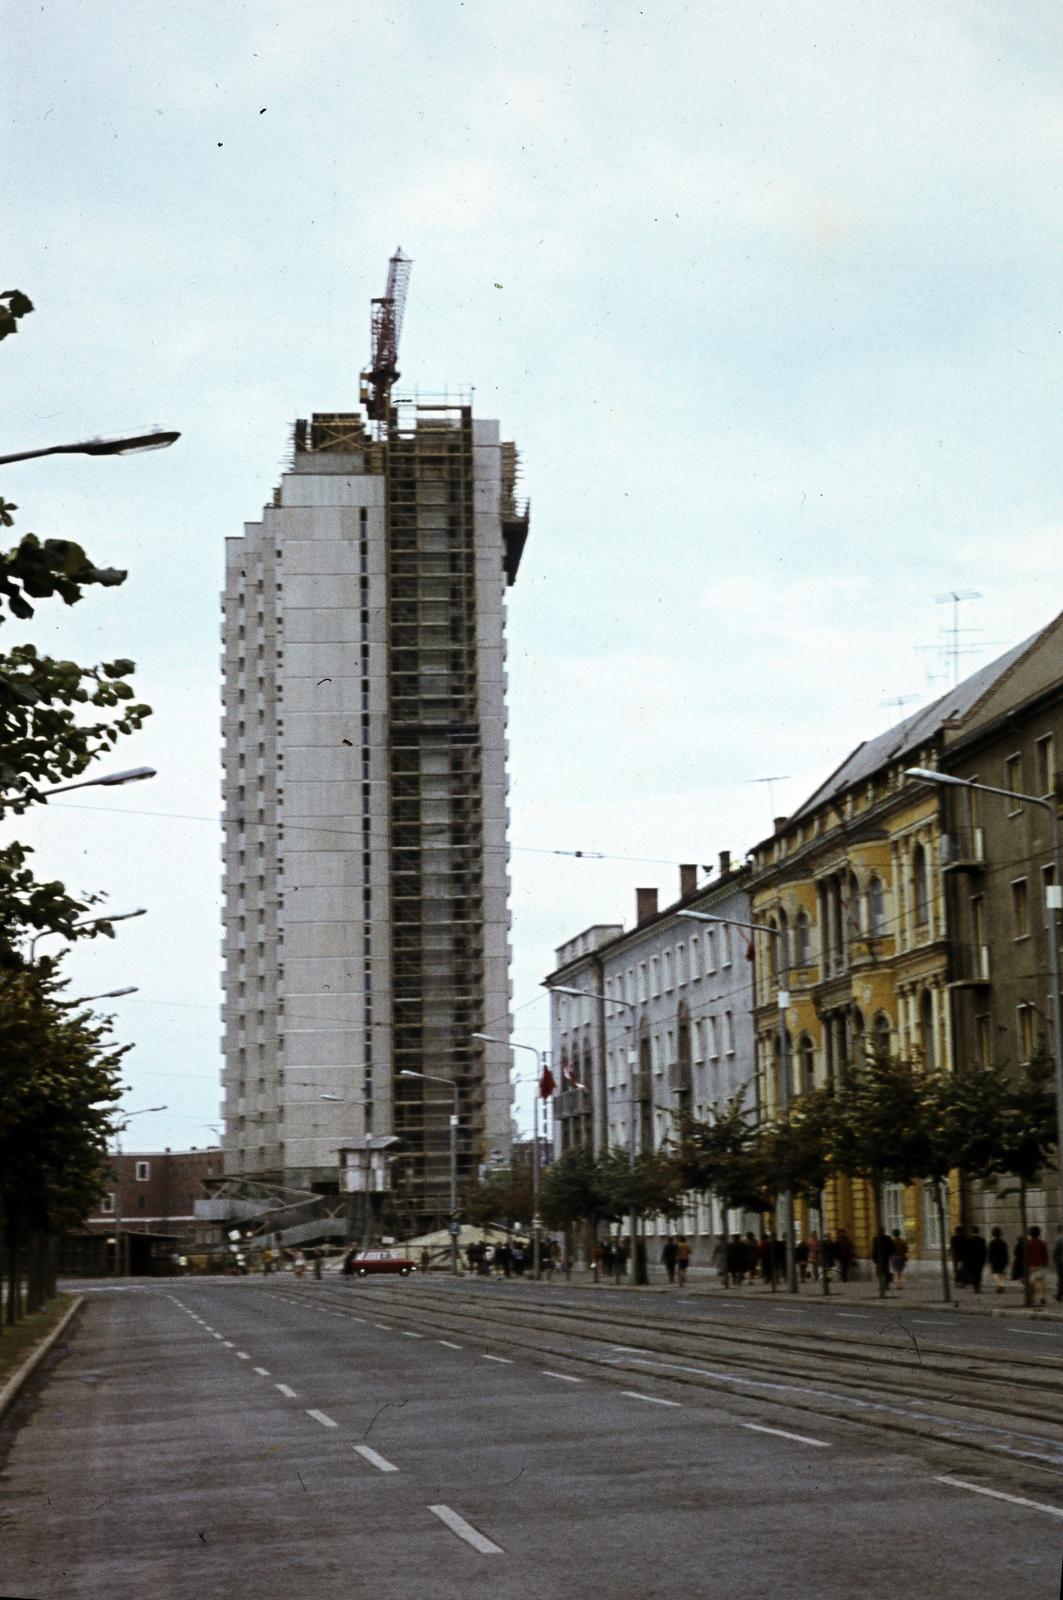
x=228 y=1344
x=325 y=1421
x=1035 y=1333
x=998 y=1494
x=289 y=1394
x=466 y=1531
x=854 y=1316
x=931 y=1322
x=563 y=1377
x=504 y=1361
x=385 y=1327
x=374 y=1460
x=406 y=1334
x=263 y=1372
x=781 y=1433
x=242 y=1355
x=651 y=1399
x=217 y=1336
x=449 y=1343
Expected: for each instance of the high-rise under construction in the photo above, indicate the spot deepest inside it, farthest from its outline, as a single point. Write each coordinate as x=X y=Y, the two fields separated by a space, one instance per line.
x=366 y=864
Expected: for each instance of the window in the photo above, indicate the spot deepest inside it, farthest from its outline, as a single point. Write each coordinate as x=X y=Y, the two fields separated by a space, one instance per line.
x=926 y=1029
x=667 y=970
x=1013 y=781
x=876 y=907
x=1048 y=878
x=983 y=1037
x=893 y=1207
x=1020 y=910
x=880 y=1034
x=655 y=1053
x=695 y=959
x=710 y=952
x=1026 y=1015
x=697 y=1041
x=1044 y=755
x=143 y=1171
x=725 y=945
x=655 y=975
x=920 y=886
x=642 y=982
x=931 y=1218
x=107 y=1204
x=669 y=1047
x=713 y=1037
x=806 y=1065
x=680 y=965
x=729 y=1033
x=803 y=940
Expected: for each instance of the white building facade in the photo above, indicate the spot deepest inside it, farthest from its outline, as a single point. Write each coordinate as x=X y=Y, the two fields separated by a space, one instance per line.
x=366 y=870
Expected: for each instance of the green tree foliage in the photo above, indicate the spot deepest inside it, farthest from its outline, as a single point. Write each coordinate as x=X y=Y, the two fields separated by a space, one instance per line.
x=13 y=305
x=571 y=1190
x=722 y=1157
x=501 y=1199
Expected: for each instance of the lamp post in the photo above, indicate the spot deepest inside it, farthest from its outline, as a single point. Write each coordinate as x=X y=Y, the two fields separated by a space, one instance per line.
x=1053 y=904
x=108 y=994
x=87 y=922
x=490 y=1038
x=633 y=1140
x=100 y=447
x=120 y=1128
x=787 y=1196
x=109 y=780
x=428 y=1077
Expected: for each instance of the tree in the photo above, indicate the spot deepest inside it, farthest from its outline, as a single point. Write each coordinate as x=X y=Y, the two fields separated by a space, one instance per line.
x=503 y=1198
x=721 y=1157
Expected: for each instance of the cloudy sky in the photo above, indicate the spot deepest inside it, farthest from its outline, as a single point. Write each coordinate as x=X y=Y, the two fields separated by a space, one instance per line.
x=767 y=291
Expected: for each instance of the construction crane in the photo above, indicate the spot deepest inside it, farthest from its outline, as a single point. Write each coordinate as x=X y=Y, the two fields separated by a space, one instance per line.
x=385 y=326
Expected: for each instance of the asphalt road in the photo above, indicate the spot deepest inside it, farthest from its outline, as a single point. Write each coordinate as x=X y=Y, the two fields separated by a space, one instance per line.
x=246 y=1439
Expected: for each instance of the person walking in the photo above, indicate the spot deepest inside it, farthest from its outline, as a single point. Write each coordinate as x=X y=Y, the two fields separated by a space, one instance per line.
x=1057 y=1262
x=1018 y=1260
x=682 y=1259
x=881 y=1251
x=999 y=1255
x=829 y=1254
x=319 y=1263
x=898 y=1256
x=844 y=1251
x=750 y=1246
x=975 y=1258
x=801 y=1259
x=958 y=1252
x=815 y=1250
x=668 y=1257
x=719 y=1260
x=736 y=1260
x=1037 y=1252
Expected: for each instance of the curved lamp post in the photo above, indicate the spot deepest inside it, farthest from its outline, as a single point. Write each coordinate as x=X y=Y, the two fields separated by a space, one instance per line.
x=100 y=447
x=87 y=922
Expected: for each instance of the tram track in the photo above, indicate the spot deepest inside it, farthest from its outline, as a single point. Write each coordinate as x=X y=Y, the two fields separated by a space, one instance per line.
x=968 y=1397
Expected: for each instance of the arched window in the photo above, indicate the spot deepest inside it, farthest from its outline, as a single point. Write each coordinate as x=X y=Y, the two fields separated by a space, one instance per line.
x=876 y=906
x=806 y=1057
x=783 y=942
x=803 y=940
x=880 y=1034
x=920 y=886
x=926 y=1029
x=773 y=949
x=784 y=1072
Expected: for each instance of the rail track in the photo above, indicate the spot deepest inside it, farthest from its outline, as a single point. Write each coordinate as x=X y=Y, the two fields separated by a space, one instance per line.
x=1010 y=1407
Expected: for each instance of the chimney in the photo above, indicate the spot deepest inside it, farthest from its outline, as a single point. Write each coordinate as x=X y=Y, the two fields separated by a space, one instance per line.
x=780 y=823
x=725 y=863
x=688 y=879
x=645 y=905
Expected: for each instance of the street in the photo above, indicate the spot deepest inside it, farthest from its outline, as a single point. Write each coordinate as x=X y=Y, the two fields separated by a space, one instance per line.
x=250 y=1437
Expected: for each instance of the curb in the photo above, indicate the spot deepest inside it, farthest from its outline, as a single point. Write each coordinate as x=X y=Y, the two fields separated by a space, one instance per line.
x=13 y=1387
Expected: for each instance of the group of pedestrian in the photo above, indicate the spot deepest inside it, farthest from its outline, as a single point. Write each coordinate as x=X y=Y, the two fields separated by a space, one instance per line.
x=889 y=1254
x=746 y=1259
x=497 y=1260
x=971 y=1253
x=611 y=1258
x=675 y=1258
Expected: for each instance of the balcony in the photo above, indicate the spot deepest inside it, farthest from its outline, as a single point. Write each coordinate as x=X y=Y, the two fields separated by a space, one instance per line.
x=572 y=1102
x=962 y=850
x=970 y=966
x=679 y=1077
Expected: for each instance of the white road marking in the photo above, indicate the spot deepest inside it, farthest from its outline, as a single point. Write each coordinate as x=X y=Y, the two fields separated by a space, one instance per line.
x=284 y=1389
x=466 y=1531
x=780 y=1433
x=854 y=1316
x=406 y=1334
x=449 y=1344
x=385 y=1327
x=1036 y=1333
x=931 y=1322
x=503 y=1360
x=242 y=1355
x=228 y=1344
x=374 y=1460
x=651 y=1399
x=217 y=1335
x=998 y=1494
x=563 y=1376
x=325 y=1421
x=350 y=1316
x=262 y=1372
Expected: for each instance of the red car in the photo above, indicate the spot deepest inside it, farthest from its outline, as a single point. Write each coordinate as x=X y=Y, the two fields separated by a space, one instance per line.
x=360 y=1263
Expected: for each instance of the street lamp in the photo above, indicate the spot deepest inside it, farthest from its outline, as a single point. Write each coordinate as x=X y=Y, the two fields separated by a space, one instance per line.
x=637 y=1276
x=428 y=1077
x=1053 y=904
x=100 y=447
x=86 y=922
x=118 y=1181
x=109 y=780
x=108 y=994
x=787 y=1196
x=491 y=1038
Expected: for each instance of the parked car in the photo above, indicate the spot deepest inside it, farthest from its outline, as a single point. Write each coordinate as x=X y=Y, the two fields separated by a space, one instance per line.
x=360 y=1263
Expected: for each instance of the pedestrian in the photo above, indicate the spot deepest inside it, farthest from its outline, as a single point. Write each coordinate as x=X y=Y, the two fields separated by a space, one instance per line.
x=974 y=1259
x=778 y=1257
x=1037 y=1252
x=518 y=1259
x=844 y=1251
x=764 y=1259
x=998 y=1258
x=319 y=1263
x=829 y=1253
x=487 y=1258
x=641 y=1275
x=668 y=1256
x=267 y=1262
x=736 y=1261
x=426 y=1259
x=1018 y=1260
x=719 y=1260
x=881 y=1250
x=607 y=1257
x=750 y=1243
x=682 y=1259
x=298 y=1263
x=815 y=1250
x=958 y=1252
x=801 y=1258
x=898 y=1256
x=620 y=1258
x=1057 y=1261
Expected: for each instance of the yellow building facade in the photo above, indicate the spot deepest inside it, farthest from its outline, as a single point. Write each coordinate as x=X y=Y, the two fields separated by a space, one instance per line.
x=851 y=887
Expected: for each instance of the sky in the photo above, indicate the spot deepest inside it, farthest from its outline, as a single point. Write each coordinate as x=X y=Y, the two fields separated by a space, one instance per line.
x=766 y=291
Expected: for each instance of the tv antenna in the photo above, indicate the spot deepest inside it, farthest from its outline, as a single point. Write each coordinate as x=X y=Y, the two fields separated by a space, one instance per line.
x=954 y=649
x=778 y=777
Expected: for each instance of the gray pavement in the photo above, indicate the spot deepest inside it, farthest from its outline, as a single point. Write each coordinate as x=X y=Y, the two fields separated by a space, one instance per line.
x=237 y=1439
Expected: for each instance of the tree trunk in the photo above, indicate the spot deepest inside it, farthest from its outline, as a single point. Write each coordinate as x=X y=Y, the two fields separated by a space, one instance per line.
x=823 y=1270
x=943 y=1236
x=881 y=1267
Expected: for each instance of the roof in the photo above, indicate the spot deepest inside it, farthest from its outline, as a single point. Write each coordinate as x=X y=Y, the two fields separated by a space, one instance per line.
x=915 y=730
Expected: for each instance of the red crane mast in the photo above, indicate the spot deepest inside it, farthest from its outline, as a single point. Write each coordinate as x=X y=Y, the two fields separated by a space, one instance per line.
x=385 y=328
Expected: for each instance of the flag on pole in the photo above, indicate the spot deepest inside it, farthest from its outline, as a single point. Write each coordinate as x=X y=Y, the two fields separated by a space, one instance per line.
x=547 y=1083
x=569 y=1076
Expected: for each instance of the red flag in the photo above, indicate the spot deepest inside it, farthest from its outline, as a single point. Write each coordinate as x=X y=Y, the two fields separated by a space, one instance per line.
x=569 y=1076
x=547 y=1084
